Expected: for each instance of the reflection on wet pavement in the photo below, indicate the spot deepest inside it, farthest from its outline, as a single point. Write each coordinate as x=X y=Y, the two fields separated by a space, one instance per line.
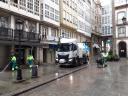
x=92 y=81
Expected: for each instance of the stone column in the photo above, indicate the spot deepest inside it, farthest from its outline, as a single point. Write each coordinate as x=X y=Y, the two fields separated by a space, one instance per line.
x=105 y=45
x=113 y=28
x=37 y=54
x=92 y=54
x=12 y=21
x=49 y=31
x=26 y=28
x=41 y=55
x=37 y=27
x=26 y=54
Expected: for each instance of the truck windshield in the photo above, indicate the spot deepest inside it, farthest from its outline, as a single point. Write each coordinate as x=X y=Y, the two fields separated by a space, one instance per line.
x=64 y=47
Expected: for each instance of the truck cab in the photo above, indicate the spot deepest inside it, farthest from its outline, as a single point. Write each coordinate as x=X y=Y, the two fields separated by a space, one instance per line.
x=66 y=52
x=69 y=52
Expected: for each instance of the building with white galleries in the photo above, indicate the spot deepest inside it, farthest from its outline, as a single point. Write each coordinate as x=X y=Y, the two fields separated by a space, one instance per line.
x=106 y=25
x=49 y=30
x=96 y=35
x=42 y=24
x=84 y=18
x=12 y=13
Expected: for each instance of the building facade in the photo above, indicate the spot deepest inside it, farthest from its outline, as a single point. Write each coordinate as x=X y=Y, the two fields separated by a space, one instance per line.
x=44 y=23
x=96 y=36
x=49 y=30
x=84 y=20
x=27 y=13
x=68 y=18
x=106 y=26
x=121 y=35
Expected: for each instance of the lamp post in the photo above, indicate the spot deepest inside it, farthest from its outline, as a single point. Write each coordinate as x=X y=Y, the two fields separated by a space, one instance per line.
x=19 y=26
x=124 y=20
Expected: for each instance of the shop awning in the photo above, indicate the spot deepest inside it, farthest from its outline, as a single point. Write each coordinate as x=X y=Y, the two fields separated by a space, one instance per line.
x=53 y=46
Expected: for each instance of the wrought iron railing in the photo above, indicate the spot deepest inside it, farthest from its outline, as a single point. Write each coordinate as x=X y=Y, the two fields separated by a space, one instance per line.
x=20 y=34
x=44 y=37
x=33 y=36
x=26 y=36
x=7 y=33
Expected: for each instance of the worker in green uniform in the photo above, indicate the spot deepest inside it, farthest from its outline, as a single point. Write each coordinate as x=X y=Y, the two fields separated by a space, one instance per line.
x=13 y=62
x=30 y=60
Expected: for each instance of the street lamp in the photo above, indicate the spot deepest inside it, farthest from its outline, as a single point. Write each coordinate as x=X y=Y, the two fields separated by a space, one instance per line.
x=19 y=27
x=124 y=20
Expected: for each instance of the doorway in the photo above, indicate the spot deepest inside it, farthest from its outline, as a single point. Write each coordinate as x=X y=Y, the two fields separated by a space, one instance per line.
x=22 y=54
x=122 y=49
x=44 y=55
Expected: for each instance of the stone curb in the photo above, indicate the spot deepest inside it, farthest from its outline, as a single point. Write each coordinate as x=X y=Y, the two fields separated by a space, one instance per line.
x=23 y=90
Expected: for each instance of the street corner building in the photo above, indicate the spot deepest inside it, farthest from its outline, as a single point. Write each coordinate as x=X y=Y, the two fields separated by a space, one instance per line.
x=120 y=15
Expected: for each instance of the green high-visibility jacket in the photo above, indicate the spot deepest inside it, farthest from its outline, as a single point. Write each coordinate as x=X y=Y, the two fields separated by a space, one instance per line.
x=30 y=58
x=13 y=58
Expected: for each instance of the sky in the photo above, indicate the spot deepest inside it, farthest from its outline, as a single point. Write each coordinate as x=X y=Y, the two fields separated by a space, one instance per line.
x=105 y=2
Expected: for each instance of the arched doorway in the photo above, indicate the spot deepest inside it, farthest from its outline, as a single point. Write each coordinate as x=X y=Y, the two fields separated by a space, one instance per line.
x=122 y=49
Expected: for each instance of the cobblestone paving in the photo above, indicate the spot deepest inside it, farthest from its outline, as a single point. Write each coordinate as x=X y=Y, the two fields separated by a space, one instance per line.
x=92 y=81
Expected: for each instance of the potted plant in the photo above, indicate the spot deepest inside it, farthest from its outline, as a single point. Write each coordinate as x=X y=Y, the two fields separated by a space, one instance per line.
x=110 y=56
x=116 y=57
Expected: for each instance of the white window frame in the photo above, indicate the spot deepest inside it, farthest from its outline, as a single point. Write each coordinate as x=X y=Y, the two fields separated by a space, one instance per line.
x=122 y=31
x=64 y=14
x=30 y=6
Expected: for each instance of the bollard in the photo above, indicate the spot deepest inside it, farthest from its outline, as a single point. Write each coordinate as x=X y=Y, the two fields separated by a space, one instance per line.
x=34 y=71
x=19 y=74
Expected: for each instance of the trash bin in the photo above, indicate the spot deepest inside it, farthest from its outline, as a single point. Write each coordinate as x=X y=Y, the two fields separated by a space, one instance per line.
x=34 y=71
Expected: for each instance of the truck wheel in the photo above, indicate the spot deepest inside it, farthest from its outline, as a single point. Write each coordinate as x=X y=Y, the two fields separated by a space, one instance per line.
x=81 y=62
x=78 y=61
x=75 y=62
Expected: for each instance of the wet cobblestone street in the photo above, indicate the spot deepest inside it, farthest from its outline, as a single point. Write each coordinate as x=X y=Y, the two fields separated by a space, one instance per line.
x=91 y=81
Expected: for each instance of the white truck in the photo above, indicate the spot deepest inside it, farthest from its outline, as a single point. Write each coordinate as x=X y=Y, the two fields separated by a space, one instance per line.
x=71 y=53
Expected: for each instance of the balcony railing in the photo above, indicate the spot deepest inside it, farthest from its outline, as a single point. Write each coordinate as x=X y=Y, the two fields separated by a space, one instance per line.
x=33 y=36
x=26 y=36
x=23 y=35
x=10 y=34
x=6 y=33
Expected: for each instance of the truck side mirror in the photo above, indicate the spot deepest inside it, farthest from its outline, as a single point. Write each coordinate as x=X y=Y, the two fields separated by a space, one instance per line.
x=74 y=47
